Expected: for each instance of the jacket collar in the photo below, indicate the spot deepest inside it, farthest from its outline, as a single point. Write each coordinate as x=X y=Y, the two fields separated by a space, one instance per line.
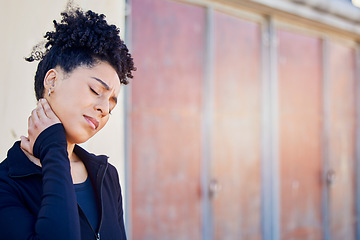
x=96 y=166
x=91 y=161
x=21 y=166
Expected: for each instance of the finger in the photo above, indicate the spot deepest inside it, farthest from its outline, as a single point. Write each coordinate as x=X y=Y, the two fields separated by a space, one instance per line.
x=31 y=126
x=40 y=111
x=30 y=122
x=25 y=144
x=34 y=118
x=47 y=109
x=34 y=123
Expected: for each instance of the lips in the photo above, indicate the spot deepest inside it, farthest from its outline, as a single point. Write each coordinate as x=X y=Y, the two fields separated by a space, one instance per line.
x=92 y=122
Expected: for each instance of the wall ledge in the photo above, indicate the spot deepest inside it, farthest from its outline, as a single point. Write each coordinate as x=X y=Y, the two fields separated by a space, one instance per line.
x=338 y=8
x=332 y=14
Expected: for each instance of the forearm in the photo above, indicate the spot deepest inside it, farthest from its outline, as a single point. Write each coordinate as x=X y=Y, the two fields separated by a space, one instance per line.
x=58 y=216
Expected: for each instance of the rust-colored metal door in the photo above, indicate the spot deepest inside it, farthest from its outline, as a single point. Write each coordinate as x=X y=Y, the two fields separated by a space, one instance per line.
x=317 y=117
x=340 y=145
x=236 y=148
x=166 y=120
x=196 y=110
x=300 y=135
x=169 y=45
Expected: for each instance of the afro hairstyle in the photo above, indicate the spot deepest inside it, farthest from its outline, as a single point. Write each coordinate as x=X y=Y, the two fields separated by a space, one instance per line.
x=81 y=39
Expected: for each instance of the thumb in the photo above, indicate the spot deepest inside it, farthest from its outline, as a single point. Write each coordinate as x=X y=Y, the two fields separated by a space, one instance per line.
x=25 y=144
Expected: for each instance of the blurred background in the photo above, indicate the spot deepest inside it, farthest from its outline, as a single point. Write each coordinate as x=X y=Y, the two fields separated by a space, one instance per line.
x=241 y=121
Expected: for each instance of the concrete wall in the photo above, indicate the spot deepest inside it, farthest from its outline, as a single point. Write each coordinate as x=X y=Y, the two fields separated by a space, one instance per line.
x=22 y=25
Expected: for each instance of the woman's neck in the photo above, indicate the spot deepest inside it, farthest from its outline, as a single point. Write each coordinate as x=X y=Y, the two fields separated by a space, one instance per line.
x=70 y=150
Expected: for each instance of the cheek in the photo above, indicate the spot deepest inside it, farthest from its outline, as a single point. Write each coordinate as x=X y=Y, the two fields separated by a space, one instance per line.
x=103 y=122
x=68 y=105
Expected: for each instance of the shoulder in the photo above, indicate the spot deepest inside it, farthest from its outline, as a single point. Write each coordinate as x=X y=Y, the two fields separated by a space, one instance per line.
x=4 y=169
x=7 y=184
x=112 y=179
x=112 y=173
x=13 y=154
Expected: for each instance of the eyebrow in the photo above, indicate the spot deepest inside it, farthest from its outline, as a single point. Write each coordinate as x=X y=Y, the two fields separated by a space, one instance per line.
x=105 y=86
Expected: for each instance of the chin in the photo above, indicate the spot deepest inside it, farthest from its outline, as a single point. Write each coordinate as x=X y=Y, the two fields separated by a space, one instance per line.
x=78 y=138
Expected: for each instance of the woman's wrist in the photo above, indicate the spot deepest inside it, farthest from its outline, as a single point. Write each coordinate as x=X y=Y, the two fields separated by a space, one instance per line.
x=51 y=136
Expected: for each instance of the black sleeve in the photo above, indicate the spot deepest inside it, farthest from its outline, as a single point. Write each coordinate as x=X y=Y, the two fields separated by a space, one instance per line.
x=58 y=216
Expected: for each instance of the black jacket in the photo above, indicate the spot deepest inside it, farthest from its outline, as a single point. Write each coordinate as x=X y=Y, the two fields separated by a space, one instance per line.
x=40 y=202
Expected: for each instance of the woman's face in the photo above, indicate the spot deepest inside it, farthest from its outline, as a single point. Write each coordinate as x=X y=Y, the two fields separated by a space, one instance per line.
x=83 y=98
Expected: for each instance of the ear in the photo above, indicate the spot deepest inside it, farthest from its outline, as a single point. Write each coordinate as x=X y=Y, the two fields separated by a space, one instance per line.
x=50 y=80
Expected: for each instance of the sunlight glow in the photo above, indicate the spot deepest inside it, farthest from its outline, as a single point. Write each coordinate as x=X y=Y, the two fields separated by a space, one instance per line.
x=356 y=3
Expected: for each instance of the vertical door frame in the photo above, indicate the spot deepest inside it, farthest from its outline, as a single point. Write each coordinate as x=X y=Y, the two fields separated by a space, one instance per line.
x=357 y=154
x=207 y=125
x=325 y=138
x=325 y=141
x=270 y=193
x=127 y=129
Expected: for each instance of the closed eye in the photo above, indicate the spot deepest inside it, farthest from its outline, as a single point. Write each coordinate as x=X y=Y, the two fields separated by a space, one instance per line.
x=94 y=91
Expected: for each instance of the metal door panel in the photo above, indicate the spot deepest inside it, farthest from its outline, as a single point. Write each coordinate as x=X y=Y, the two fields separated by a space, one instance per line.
x=165 y=176
x=300 y=132
x=341 y=142
x=166 y=119
x=236 y=144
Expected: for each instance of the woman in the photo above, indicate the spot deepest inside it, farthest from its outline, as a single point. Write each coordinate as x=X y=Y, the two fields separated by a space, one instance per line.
x=50 y=188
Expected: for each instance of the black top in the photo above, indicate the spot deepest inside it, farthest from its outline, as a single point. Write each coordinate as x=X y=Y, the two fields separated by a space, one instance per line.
x=86 y=199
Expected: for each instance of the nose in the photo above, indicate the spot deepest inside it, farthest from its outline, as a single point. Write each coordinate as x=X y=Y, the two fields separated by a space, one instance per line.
x=103 y=107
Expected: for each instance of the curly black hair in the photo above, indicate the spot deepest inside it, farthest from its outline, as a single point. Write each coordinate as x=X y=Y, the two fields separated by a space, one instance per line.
x=82 y=39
